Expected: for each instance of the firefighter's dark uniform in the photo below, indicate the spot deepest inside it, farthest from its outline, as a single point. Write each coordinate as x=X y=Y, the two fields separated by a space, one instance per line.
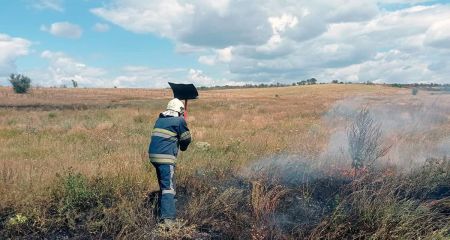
x=169 y=134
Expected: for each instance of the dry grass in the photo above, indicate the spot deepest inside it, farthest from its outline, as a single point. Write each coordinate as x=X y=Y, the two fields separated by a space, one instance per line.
x=47 y=139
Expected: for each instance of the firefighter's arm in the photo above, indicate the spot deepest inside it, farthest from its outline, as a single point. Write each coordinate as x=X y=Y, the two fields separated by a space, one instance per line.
x=185 y=135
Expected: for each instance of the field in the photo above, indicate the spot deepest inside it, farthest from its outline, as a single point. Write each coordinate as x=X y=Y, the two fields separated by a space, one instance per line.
x=265 y=164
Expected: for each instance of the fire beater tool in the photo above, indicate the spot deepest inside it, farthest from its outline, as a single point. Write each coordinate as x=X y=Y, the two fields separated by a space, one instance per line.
x=184 y=92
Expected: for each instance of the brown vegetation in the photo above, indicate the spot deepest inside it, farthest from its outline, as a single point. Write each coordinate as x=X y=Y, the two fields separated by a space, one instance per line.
x=82 y=172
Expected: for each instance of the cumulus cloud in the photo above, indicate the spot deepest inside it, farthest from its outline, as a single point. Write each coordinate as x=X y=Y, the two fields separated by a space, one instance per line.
x=11 y=48
x=220 y=56
x=101 y=27
x=285 y=41
x=62 y=69
x=438 y=35
x=390 y=47
x=139 y=76
x=271 y=41
x=201 y=23
x=144 y=76
x=64 y=29
x=393 y=66
x=162 y=17
x=198 y=77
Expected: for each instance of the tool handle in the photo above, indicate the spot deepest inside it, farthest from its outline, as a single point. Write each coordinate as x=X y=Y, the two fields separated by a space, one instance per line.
x=185 y=109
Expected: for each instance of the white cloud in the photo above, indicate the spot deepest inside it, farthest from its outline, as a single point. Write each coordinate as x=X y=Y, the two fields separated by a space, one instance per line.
x=199 y=78
x=207 y=60
x=201 y=23
x=64 y=29
x=438 y=35
x=224 y=55
x=351 y=51
x=56 y=5
x=11 y=48
x=162 y=17
x=294 y=39
x=101 y=27
x=393 y=66
x=62 y=69
x=143 y=76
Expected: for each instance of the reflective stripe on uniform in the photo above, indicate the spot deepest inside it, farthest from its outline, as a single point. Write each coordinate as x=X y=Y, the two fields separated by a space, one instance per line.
x=163 y=135
x=164 y=131
x=172 y=171
x=162 y=158
x=171 y=189
x=185 y=135
x=168 y=191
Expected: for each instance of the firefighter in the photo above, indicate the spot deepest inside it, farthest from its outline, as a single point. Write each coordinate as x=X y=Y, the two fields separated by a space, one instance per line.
x=169 y=135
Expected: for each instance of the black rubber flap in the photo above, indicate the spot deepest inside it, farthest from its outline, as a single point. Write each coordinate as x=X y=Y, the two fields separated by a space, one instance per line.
x=184 y=91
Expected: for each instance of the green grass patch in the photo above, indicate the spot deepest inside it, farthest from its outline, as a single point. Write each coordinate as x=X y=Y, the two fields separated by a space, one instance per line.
x=9 y=133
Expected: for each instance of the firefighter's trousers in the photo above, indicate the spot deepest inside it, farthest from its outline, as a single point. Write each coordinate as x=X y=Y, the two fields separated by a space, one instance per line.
x=165 y=173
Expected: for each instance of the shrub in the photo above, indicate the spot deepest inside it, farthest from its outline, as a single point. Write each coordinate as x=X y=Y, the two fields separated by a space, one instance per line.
x=364 y=139
x=77 y=194
x=74 y=83
x=397 y=85
x=20 y=83
x=51 y=115
x=414 y=91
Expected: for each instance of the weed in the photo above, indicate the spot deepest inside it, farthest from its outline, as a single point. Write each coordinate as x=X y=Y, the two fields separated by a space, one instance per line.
x=364 y=139
x=51 y=115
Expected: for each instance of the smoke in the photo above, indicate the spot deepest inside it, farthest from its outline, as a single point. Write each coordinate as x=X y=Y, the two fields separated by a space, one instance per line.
x=415 y=127
x=283 y=168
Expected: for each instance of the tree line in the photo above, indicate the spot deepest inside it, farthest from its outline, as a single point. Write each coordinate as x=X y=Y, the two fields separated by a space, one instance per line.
x=22 y=84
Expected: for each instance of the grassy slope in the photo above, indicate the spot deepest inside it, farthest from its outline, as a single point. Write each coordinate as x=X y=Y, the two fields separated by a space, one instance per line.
x=54 y=159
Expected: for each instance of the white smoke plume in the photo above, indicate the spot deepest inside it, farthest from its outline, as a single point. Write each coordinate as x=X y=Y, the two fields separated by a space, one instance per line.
x=416 y=127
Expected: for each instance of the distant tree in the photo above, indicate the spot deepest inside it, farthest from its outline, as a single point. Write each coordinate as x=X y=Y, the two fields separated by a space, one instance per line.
x=20 y=83
x=311 y=81
x=74 y=83
x=334 y=81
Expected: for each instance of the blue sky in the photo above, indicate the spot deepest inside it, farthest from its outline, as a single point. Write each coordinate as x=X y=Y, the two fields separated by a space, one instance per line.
x=132 y=43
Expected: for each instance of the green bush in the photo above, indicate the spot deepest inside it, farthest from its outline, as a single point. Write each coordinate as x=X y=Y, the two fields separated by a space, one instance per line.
x=20 y=83
x=51 y=115
x=77 y=193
